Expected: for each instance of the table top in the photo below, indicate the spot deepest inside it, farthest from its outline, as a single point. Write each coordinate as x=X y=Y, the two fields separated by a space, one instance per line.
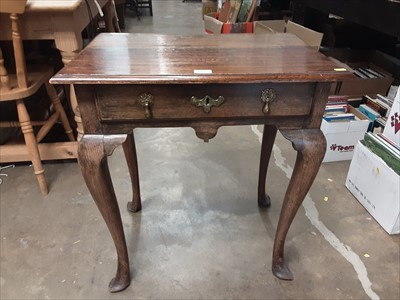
x=55 y=5
x=123 y=58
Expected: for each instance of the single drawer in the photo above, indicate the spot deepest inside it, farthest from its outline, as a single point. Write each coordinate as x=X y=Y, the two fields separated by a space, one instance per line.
x=196 y=101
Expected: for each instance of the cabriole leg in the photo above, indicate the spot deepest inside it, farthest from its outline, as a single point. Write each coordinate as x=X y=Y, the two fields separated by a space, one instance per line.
x=310 y=145
x=92 y=154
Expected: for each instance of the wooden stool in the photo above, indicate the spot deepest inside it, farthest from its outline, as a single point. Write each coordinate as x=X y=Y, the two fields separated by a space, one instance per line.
x=145 y=4
x=25 y=82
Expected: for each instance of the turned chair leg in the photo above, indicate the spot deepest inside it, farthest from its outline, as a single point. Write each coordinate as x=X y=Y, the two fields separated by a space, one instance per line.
x=55 y=100
x=31 y=144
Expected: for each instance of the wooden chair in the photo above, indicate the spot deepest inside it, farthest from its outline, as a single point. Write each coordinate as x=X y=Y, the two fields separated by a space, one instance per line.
x=24 y=82
x=145 y=4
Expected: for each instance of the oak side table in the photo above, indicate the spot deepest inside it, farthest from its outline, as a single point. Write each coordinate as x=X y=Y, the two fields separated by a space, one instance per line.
x=125 y=81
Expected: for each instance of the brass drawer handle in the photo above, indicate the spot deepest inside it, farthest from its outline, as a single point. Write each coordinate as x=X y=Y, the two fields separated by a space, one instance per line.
x=207 y=102
x=267 y=96
x=147 y=100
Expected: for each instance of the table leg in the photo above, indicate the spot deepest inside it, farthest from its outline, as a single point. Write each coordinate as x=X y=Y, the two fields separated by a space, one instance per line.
x=130 y=154
x=92 y=155
x=310 y=145
x=268 y=139
x=70 y=44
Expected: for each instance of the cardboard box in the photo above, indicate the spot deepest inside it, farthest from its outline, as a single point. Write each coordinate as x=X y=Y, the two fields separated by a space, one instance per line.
x=270 y=26
x=383 y=60
x=342 y=137
x=310 y=37
x=214 y=26
x=368 y=86
x=357 y=87
x=376 y=187
x=392 y=128
x=209 y=6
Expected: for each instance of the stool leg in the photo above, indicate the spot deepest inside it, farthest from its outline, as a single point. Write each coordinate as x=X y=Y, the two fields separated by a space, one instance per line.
x=55 y=100
x=31 y=144
x=151 y=8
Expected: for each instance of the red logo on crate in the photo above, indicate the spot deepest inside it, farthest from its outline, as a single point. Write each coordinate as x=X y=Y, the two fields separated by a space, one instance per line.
x=395 y=122
x=341 y=148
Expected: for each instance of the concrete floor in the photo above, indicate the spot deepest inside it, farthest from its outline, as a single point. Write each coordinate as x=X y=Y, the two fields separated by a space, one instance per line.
x=201 y=234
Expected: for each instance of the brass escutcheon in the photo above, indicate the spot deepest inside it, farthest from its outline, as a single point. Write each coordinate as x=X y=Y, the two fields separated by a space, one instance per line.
x=146 y=100
x=207 y=102
x=267 y=96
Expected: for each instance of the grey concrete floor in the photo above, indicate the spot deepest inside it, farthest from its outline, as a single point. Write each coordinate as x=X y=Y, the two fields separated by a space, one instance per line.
x=201 y=234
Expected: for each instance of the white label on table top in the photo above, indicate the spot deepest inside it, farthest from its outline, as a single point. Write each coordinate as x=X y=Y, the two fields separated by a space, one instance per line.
x=202 y=71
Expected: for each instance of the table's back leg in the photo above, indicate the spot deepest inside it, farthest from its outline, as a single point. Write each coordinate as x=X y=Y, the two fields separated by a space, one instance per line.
x=92 y=154
x=268 y=140
x=130 y=154
x=310 y=145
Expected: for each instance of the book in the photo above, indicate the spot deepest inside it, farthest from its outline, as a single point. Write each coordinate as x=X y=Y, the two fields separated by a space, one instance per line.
x=243 y=11
x=252 y=11
x=376 y=73
x=355 y=102
x=223 y=16
x=335 y=109
x=360 y=74
x=377 y=105
x=369 y=112
x=366 y=73
x=332 y=99
x=246 y=10
x=389 y=154
x=388 y=141
x=381 y=122
x=388 y=101
x=234 y=11
x=339 y=117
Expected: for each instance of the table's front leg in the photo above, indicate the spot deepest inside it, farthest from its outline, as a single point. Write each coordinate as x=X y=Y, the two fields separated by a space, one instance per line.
x=92 y=154
x=310 y=145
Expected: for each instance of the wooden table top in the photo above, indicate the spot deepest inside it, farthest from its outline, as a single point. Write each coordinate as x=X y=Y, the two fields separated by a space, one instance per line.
x=55 y=5
x=233 y=58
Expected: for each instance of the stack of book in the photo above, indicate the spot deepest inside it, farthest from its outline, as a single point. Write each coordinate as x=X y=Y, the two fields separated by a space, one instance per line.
x=238 y=11
x=377 y=109
x=367 y=73
x=374 y=173
x=384 y=148
x=337 y=109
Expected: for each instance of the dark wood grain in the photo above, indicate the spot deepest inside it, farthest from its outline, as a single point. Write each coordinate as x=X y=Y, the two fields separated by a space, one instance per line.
x=310 y=145
x=121 y=102
x=268 y=139
x=92 y=154
x=87 y=108
x=130 y=154
x=234 y=58
x=115 y=69
x=319 y=102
